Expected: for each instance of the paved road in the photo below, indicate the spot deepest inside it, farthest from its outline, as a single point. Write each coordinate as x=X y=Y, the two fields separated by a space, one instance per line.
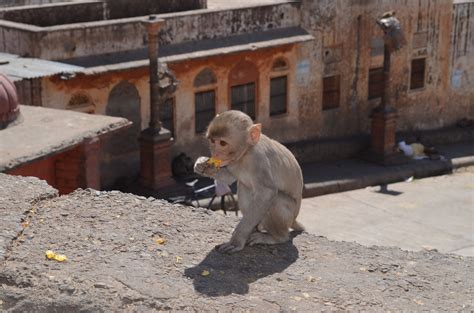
x=434 y=212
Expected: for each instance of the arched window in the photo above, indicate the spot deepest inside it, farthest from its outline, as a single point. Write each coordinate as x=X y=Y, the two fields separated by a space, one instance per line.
x=204 y=78
x=280 y=64
x=205 y=84
x=279 y=88
x=81 y=102
x=243 y=80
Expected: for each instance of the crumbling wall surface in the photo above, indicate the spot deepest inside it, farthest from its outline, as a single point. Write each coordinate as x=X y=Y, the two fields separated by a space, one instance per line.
x=127 y=8
x=76 y=40
x=19 y=39
x=462 y=59
x=131 y=253
x=55 y=14
x=7 y=3
x=350 y=44
x=214 y=24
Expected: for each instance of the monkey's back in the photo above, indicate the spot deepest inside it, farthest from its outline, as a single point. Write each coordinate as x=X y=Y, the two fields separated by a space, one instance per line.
x=285 y=169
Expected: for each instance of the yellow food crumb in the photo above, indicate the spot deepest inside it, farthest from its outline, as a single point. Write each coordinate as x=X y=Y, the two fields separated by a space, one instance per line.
x=50 y=255
x=60 y=258
x=215 y=162
x=160 y=241
x=205 y=273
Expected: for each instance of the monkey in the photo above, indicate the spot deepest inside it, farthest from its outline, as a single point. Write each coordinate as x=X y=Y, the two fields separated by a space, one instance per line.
x=269 y=180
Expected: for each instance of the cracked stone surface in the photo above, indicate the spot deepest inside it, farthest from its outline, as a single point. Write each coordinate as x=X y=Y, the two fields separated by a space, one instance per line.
x=17 y=197
x=118 y=262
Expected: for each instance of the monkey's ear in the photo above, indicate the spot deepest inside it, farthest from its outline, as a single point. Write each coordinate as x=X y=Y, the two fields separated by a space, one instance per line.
x=254 y=133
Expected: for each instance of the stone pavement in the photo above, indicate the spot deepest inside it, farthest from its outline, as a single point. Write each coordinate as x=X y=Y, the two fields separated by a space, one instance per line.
x=349 y=174
x=135 y=254
x=431 y=213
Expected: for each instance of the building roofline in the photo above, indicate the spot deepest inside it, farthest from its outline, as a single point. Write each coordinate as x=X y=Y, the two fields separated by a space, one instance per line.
x=45 y=132
x=194 y=50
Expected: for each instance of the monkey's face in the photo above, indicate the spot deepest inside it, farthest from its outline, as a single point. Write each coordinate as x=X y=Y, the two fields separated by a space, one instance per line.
x=228 y=135
x=226 y=148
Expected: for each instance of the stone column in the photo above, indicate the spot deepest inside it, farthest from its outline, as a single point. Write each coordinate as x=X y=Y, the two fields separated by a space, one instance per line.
x=155 y=141
x=384 y=117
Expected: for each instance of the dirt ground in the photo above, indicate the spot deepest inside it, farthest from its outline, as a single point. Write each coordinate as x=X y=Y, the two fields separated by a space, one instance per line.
x=130 y=253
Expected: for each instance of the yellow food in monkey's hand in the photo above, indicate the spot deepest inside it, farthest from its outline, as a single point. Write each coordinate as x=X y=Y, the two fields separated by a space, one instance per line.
x=215 y=162
x=50 y=255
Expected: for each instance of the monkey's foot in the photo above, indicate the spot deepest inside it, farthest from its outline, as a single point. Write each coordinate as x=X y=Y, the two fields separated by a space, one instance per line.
x=266 y=239
x=229 y=247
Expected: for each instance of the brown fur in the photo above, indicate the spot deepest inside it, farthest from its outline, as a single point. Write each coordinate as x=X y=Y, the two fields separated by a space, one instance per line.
x=270 y=182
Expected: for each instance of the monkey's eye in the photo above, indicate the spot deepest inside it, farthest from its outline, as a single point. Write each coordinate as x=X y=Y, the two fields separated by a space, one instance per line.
x=212 y=140
x=223 y=143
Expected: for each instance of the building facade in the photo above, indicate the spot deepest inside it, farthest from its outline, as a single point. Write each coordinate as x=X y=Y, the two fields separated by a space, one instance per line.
x=309 y=71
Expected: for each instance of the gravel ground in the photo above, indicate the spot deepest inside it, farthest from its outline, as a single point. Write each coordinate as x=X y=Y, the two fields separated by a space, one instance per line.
x=117 y=260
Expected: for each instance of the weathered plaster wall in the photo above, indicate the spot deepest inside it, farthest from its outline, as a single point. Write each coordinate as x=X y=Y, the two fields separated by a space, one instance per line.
x=345 y=32
x=19 y=39
x=461 y=98
x=57 y=93
x=127 y=8
x=216 y=24
x=284 y=128
x=55 y=14
x=85 y=39
x=6 y=3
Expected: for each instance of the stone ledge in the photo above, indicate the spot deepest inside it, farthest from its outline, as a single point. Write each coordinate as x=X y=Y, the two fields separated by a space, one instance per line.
x=115 y=264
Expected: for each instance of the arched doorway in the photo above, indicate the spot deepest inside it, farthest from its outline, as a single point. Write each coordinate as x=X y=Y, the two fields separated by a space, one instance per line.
x=120 y=162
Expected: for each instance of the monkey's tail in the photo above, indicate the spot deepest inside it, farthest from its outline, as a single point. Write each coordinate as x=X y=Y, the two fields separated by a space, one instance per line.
x=297 y=226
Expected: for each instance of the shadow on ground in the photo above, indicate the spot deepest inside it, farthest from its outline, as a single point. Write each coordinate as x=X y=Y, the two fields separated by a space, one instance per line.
x=232 y=273
x=384 y=190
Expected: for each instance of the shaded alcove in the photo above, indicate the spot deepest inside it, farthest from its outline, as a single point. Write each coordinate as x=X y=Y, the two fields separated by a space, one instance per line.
x=120 y=155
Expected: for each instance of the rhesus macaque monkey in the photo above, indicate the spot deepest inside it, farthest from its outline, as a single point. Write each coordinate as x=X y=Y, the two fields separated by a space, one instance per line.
x=270 y=183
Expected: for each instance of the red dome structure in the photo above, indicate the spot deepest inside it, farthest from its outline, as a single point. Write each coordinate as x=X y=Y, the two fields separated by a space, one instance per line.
x=9 y=109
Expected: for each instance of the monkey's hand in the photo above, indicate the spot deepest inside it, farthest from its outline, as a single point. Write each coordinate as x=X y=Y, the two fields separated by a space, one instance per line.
x=231 y=246
x=204 y=167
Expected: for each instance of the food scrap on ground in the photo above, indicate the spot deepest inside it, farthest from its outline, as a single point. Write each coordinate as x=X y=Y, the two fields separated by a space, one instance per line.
x=50 y=255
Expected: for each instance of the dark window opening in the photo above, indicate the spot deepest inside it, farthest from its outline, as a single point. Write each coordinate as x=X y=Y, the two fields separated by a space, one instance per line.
x=167 y=115
x=331 y=92
x=417 y=78
x=376 y=83
x=243 y=99
x=278 y=95
x=205 y=109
